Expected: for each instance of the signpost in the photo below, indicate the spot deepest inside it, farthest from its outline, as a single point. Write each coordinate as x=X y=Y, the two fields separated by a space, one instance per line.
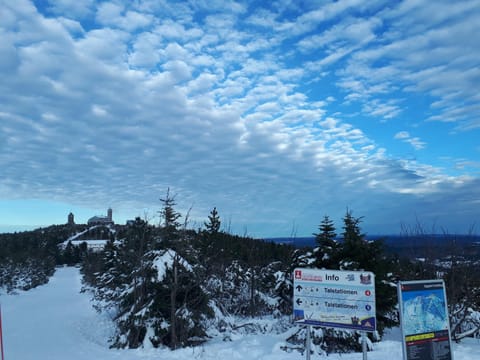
x=333 y=298
x=1 y=334
x=424 y=320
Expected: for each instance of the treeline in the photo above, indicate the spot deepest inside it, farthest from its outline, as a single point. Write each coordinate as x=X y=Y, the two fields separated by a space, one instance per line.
x=173 y=286
x=28 y=259
x=170 y=285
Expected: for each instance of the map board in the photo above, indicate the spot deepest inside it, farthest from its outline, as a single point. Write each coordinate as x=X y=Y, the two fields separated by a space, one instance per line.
x=424 y=320
x=333 y=298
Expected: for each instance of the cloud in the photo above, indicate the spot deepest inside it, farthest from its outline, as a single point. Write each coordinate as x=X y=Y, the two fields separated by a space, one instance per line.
x=422 y=54
x=71 y=8
x=351 y=33
x=110 y=14
x=112 y=104
x=404 y=136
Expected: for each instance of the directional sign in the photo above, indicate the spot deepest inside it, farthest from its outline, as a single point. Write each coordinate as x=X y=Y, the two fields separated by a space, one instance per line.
x=332 y=298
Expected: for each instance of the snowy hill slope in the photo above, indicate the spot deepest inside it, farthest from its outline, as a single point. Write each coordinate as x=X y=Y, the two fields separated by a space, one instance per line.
x=57 y=322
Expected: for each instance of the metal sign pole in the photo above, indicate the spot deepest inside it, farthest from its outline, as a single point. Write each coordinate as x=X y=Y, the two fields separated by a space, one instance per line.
x=364 y=345
x=308 y=343
x=1 y=334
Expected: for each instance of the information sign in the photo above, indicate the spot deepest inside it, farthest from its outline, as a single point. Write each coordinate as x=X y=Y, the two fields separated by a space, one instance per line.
x=424 y=320
x=333 y=298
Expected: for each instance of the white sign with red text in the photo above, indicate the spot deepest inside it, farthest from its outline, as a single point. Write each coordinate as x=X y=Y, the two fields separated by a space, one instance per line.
x=334 y=298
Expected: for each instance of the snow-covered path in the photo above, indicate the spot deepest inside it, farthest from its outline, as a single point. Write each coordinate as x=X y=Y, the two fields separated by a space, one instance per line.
x=57 y=322
x=54 y=321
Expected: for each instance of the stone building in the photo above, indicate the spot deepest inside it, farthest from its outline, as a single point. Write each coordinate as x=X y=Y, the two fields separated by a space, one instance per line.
x=101 y=219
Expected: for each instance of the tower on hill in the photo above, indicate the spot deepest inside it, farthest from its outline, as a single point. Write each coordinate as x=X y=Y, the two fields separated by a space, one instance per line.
x=71 y=220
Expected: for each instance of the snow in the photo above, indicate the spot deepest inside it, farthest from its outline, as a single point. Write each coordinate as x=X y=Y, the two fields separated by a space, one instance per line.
x=165 y=261
x=77 y=235
x=90 y=243
x=57 y=322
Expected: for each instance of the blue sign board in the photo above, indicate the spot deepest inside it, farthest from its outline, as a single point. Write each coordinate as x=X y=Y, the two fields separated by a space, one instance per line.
x=424 y=320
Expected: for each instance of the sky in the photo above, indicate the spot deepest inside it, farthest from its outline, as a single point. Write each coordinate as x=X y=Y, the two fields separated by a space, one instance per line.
x=276 y=113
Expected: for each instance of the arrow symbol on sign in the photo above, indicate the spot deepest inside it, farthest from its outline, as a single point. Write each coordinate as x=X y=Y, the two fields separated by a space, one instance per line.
x=299 y=288
x=299 y=302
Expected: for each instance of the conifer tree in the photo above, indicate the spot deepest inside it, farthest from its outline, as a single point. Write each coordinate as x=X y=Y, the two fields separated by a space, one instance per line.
x=168 y=213
x=210 y=240
x=213 y=224
x=359 y=254
x=351 y=229
x=327 y=252
x=169 y=218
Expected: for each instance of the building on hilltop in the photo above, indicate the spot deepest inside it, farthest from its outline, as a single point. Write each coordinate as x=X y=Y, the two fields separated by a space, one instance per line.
x=95 y=236
x=71 y=220
x=102 y=220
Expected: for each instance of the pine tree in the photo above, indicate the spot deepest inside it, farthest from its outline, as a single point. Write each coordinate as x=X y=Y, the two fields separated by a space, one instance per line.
x=213 y=224
x=168 y=213
x=134 y=292
x=351 y=229
x=209 y=240
x=328 y=248
x=359 y=254
x=186 y=298
x=169 y=218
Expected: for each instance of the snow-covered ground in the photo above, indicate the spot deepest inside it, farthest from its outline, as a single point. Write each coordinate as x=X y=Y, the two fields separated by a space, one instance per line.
x=57 y=322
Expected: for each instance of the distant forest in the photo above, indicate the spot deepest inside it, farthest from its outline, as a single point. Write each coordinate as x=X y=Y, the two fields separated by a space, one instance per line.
x=175 y=286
